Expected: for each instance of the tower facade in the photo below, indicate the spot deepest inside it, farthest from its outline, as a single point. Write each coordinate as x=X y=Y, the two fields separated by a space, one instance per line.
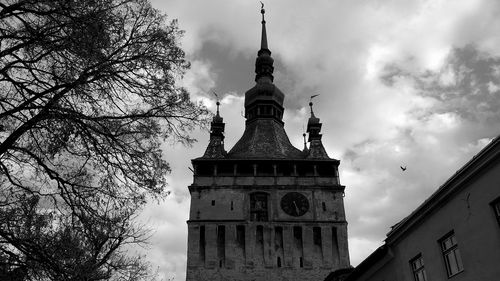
x=266 y=210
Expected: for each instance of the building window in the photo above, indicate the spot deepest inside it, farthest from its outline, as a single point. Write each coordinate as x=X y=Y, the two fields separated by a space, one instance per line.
x=451 y=254
x=417 y=267
x=496 y=208
x=258 y=206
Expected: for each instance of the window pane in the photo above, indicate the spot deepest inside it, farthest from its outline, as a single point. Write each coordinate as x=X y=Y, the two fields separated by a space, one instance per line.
x=420 y=276
x=452 y=263
x=417 y=266
x=458 y=258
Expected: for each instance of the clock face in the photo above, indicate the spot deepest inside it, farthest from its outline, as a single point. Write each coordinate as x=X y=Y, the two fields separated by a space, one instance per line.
x=294 y=204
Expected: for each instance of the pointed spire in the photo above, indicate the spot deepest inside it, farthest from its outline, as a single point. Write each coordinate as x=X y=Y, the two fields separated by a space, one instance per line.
x=218 y=104
x=312 y=111
x=215 y=148
x=316 y=149
x=264 y=63
x=305 y=143
x=263 y=41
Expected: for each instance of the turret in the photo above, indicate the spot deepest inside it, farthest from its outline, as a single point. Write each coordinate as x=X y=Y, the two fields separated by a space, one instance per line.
x=215 y=148
x=316 y=149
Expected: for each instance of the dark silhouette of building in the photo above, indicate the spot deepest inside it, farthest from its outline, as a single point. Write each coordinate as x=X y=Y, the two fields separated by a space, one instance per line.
x=266 y=210
x=453 y=235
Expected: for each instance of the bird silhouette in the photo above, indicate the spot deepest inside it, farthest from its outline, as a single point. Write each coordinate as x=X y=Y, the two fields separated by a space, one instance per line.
x=403 y=168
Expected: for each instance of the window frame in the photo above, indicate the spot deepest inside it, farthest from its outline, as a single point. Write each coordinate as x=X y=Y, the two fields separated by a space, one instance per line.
x=416 y=269
x=259 y=212
x=451 y=250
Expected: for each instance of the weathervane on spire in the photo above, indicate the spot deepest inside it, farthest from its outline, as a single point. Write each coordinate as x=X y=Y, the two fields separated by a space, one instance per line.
x=262 y=11
x=217 y=103
x=311 y=103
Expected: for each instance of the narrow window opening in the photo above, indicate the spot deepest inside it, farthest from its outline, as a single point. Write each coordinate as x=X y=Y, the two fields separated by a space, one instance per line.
x=213 y=202
x=225 y=169
x=221 y=244
x=324 y=206
x=259 y=254
x=317 y=236
x=245 y=170
x=240 y=237
x=205 y=170
x=335 y=244
x=297 y=237
x=202 y=243
x=232 y=206
x=301 y=262
x=278 y=244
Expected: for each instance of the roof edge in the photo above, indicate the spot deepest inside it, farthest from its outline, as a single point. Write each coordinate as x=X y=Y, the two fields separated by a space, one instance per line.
x=482 y=158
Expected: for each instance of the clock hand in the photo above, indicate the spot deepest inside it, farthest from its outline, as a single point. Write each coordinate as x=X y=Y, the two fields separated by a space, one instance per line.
x=296 y=207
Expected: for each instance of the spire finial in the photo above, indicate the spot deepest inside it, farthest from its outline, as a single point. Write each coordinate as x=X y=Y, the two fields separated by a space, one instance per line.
x=305 y=142
x=311 y=104
x=263 y=42
x=262 y=11
x=217 y=103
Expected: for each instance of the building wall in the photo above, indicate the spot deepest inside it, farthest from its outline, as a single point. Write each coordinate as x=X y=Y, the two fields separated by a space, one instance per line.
x=469 y=215
x=321 y=244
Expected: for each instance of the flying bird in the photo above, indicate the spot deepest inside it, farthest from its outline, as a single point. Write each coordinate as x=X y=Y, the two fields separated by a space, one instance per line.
x=403 y=168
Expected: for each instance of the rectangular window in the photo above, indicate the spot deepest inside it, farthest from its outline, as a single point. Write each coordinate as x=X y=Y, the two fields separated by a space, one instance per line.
x=496 y=208
x=417 y=267
x=451 y=254
x=240 y=237
x=221 y=244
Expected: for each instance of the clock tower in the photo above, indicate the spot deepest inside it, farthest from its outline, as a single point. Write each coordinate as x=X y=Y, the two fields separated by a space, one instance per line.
x=266 y=210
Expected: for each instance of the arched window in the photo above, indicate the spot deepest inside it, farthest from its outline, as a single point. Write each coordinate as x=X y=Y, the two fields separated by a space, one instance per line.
x=259 y=206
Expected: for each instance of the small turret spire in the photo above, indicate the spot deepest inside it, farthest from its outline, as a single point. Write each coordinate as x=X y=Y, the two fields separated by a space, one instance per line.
x=305 y=142
x=311 y=105
x=217 y=103
x=316 y=149
x=215 y=148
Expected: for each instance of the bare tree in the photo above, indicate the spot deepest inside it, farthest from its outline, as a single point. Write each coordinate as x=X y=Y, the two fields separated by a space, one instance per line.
x=87 y=95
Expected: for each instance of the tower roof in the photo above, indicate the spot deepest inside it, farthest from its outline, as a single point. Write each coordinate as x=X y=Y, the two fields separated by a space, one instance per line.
x=264 y=135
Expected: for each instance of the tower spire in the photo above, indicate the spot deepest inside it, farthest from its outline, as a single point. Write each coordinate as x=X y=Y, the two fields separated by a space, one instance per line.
x=263 y=41
x=264 y=63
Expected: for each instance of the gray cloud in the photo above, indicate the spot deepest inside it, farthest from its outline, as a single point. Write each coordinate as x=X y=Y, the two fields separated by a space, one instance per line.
x=402 y=83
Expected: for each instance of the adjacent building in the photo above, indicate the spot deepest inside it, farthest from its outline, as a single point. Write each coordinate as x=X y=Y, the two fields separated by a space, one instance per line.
x=454 y=235
x=266 y=210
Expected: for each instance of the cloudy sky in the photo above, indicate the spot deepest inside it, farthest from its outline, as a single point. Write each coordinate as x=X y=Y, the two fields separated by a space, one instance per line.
x=401 y=83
